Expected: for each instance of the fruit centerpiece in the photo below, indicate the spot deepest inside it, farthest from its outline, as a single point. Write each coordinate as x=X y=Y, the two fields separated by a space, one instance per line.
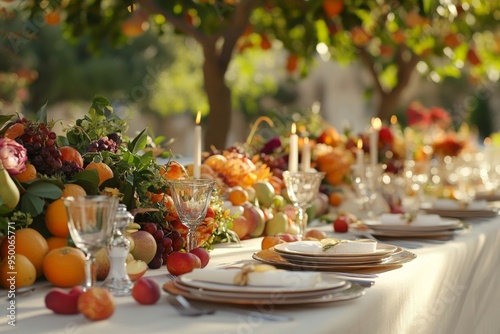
x=40 y=167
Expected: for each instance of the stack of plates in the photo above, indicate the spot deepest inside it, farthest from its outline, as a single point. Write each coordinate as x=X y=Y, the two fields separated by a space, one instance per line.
x=454 y=210
x=328 y=289
x=286 y=255
x=443 y=228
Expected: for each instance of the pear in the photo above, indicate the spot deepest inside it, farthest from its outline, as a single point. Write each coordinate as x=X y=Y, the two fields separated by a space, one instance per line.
x=9 y=193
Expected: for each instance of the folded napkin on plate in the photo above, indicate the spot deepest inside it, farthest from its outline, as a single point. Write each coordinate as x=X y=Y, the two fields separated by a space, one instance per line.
x=450 y=204
x=273 y=277
x=333 y=246
x=403 y=219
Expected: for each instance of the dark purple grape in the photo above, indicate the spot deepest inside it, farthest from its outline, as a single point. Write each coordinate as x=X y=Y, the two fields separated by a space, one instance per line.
x=177 y=244
x=158 y=235
x=156 y=262
x=166 y=242
x=151 y=228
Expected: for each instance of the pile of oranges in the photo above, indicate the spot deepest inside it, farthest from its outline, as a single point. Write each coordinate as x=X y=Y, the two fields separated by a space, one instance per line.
x=31 y=256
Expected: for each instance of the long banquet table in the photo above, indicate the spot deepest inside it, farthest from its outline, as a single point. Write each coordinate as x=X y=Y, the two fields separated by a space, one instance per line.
x=452 y=287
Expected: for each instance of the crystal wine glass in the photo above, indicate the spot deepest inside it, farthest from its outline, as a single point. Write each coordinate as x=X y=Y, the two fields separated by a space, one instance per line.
x=191 y=200
x=365 y=181
x=90 y=220
x=417 y=175
x=118 y=282
x=302 y=189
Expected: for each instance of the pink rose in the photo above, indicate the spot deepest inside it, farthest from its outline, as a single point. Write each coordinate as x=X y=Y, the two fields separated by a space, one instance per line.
x=12 y=156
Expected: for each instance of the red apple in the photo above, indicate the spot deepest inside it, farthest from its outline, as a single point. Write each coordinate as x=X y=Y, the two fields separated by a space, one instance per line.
x=96 y=304
x=341 y=224
x=203 y=254
x=62 y=302
x=146 y=291
x=136 y=269
x=179 y=263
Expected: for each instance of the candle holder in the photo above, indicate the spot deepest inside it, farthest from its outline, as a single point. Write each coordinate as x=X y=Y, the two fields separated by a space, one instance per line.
x=118 y=282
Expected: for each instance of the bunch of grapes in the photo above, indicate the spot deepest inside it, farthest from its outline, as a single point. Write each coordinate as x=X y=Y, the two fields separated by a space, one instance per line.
x=167 y=241
x=70 y=168
x=109 y=143
x=41 y=147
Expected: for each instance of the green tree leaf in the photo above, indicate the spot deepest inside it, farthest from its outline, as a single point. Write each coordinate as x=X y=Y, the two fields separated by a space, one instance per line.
x=44 y=190
x=139 y=142
x=32 y=204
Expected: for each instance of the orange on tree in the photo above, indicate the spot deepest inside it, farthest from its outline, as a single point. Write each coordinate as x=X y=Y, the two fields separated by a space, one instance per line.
x=30 y=243
x=103 y=170
x=72 y=189
x=56 y=218
x=69 y=153
x=25 y=272
x=65 y=267
x=56 y=242
x=28 y=174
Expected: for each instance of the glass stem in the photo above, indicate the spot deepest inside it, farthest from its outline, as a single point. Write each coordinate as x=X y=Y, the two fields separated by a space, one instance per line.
x=301 y=221
x=90 y=272
x=191 y=239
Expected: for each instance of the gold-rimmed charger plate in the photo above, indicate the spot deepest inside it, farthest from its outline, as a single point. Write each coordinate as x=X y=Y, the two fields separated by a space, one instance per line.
x=354 y=291
x=381 y=250
x=274 y=258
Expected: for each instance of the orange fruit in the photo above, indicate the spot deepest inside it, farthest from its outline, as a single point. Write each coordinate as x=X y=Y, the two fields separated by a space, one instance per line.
x=28 y=174
x=238 y=196
x=53 y=18
x=65 y=267
x=14 y=131
x=56 y=218
x=335 y=198
x=57 y=242
x=25 y=272
x=74 y=190
x=102 y=169
x=30 y=243
x=69 y=153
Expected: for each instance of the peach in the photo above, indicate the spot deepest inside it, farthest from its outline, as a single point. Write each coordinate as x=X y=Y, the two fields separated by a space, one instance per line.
x=179 y=263
x=270 y=241
x=315 y=234
x=144 y=246
x=240 y=226
x=203 y=254
x=136 y=269
x=146 y=291
x=62 y=302
x=96 y=303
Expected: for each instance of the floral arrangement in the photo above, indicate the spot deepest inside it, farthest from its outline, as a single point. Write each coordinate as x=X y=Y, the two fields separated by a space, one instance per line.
x=95 y=155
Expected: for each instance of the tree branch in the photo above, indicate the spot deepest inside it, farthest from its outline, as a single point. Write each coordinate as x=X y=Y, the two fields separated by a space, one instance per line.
x=237 y=26
x=365 y=58
x=178 y=23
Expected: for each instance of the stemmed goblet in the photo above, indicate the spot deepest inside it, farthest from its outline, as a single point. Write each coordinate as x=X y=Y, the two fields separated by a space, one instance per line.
x=302 y=189
x=191 y=200
x=417 y=175
x=90 y=221
x=365 y=181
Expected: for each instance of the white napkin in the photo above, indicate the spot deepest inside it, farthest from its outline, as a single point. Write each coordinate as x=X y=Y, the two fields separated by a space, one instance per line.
x=400 y=219
x=342 y=247
x=277 y=277
x=450 y=204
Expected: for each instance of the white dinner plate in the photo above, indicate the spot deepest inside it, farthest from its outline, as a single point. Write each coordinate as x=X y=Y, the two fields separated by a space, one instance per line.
x=444 y=224
x=326 y=282
x=341 y=260
x=354 y=291
x=382 y=249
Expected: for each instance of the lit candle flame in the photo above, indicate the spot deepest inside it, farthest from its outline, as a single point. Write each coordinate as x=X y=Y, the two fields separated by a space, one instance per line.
x=198 y=118
x=394 y=119
x=360 y=143
x=294 y=128
x=376 y=123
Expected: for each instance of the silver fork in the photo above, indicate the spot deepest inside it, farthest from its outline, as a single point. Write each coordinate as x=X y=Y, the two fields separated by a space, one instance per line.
x=185 y=308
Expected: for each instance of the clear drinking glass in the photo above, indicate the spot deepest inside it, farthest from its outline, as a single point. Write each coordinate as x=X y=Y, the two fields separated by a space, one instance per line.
x=90 y=220
x=118 y=282
x=365 y=181
x=302 y=189
x=191 y=200
x=417 y=175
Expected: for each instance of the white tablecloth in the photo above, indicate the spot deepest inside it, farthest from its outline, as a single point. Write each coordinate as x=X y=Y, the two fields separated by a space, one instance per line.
x=449 y=288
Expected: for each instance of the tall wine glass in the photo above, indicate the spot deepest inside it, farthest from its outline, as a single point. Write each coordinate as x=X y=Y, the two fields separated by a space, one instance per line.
x=90 y=220
x=302 y=189
x=191 y=200
x=417 y=176
x=365 y=181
